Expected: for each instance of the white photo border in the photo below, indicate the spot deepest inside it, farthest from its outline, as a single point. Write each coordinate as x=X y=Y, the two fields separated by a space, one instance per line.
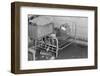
x=25 y=64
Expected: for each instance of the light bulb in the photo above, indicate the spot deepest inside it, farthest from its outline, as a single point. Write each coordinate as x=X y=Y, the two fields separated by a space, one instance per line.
x=63 y=28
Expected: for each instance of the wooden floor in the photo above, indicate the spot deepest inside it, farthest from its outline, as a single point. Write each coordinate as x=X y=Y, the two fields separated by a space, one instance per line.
x=73 y=51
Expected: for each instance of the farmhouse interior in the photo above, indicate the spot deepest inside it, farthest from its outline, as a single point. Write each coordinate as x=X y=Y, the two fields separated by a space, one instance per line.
x=57 y=37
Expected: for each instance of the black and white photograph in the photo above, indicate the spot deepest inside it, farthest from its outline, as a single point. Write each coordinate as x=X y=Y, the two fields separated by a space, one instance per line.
x=52 y=37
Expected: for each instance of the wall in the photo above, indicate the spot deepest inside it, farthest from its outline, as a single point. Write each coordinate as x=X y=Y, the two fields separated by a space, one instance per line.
x=80 y=24
x=5 y=41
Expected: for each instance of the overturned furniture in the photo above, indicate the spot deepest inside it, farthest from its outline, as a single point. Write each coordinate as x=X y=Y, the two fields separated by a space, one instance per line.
x=66 y=34
x=44 y=41
x=48 y=39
